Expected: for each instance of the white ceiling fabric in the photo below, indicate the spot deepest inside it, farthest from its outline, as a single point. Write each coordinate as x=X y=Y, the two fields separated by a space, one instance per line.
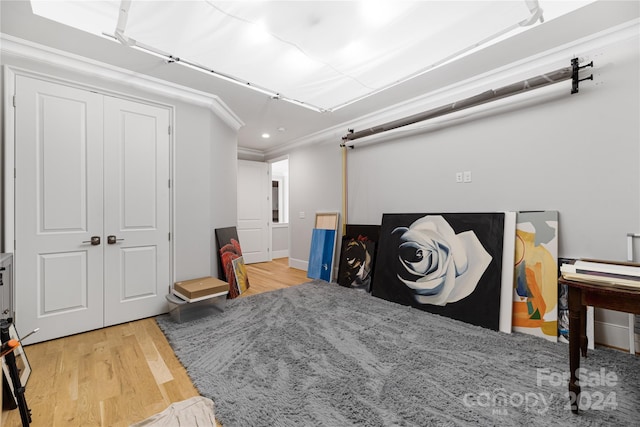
x=325 y=54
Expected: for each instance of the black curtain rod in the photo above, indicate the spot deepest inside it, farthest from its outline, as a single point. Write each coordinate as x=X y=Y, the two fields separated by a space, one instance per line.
x=542 y=80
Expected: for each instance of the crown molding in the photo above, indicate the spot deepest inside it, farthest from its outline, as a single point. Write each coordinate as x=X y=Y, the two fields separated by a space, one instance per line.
x=14 y=46
x=250 y=154
x=585 y=49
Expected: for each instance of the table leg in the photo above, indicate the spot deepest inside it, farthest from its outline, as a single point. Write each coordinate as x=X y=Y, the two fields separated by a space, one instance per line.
x=584 y=340
x=576 y=332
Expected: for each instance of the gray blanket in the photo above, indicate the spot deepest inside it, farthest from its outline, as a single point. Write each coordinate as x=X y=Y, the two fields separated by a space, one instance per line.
x=322 y=355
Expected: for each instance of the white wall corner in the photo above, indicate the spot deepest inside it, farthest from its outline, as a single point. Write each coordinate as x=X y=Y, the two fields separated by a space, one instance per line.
x=280 y=254
x=299 y=264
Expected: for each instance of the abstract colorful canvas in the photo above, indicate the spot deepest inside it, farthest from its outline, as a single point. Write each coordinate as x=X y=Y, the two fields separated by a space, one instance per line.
x=448 y=264
x=535 y=296
x=229 y=250
x=321 y=254
x=240 y=271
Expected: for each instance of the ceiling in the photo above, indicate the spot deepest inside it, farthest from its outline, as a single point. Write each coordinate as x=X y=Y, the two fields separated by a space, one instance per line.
x=320 y=54
x=410 y=62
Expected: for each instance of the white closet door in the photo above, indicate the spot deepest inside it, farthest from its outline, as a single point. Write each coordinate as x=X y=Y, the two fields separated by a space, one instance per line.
x=58 y=192
x=254 y=211
x=137 y=208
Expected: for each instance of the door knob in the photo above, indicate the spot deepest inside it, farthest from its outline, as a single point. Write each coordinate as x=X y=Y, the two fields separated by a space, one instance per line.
x=112 y=239
x=95 y=241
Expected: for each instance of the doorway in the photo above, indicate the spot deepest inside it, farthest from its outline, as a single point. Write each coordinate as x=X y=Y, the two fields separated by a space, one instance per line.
x=280 y=208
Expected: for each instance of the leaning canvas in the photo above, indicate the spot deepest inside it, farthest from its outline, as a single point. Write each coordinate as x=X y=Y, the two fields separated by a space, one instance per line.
x=321 y=254
x=449 y=264
x=240 y=272
x=229 y=250
x=357 y=256
x=535 y=292
x=356 y=262
x=368 y=231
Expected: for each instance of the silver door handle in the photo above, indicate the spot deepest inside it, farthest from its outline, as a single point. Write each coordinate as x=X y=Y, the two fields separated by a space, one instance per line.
x=95 y=241
x=112 y=239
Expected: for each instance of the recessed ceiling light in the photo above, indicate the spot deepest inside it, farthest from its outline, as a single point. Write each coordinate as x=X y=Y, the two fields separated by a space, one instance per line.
x=281 y=129
x=265 y=135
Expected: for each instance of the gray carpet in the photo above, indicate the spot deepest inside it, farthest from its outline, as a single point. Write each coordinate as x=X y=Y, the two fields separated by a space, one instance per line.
x=322 y=355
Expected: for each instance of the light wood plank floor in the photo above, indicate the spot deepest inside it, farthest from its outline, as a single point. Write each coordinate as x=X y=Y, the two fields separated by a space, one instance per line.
x=122 y=374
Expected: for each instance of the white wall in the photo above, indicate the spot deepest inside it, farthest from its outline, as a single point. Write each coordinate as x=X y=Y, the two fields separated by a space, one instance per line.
x=314 y=186
x=577 y=154
x=205 y=189
x=205 y=151
x=223 y=169
x=279 y=241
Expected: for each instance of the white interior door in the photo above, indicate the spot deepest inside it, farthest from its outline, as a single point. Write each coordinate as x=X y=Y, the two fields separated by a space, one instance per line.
x=254 y=187
x=92 y=209
x=58 y=204
x=136 y=210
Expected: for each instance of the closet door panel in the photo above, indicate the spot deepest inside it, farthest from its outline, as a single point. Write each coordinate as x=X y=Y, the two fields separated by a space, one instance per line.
x=58 y=209
x=136 y=210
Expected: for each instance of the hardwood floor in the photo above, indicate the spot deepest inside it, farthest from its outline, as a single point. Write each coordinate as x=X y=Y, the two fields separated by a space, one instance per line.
x=269 y=276
x=122 y=374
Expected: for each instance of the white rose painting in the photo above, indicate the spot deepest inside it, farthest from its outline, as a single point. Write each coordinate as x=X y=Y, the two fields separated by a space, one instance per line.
x=447 y=264
x=438 y=265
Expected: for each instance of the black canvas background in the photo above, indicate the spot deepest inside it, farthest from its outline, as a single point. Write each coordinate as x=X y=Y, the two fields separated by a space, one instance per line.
x=371 y=232
x=343 y=277
x=352 y=232
x=481 y=307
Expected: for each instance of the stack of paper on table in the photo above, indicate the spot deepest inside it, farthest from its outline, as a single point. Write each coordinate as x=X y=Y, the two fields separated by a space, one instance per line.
x=620 y=274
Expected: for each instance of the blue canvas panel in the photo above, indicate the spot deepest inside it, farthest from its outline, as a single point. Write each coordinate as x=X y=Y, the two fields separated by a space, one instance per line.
x=321 y=254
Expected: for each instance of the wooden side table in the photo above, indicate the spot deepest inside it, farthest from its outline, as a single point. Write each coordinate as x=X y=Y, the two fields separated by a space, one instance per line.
x=596 y=294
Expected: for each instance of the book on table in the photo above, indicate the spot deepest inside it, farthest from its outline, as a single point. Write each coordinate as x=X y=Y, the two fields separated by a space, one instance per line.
x=612 y=273
x=625 y=270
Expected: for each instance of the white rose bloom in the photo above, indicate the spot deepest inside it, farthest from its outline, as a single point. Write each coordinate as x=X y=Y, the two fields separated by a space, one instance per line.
x=438 y=265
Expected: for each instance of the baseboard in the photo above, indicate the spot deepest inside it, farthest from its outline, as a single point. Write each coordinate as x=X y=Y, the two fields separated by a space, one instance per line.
x=280 y=254
x=299 y=264
x=612 y=335
x=304 y=265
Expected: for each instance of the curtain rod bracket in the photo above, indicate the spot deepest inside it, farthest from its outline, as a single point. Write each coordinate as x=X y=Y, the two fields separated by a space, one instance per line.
x=574 y=75
x=346 y=138
x=560 y=75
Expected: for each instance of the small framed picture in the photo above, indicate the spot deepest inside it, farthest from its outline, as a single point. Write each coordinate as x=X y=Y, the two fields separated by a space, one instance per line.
x=24 y=369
